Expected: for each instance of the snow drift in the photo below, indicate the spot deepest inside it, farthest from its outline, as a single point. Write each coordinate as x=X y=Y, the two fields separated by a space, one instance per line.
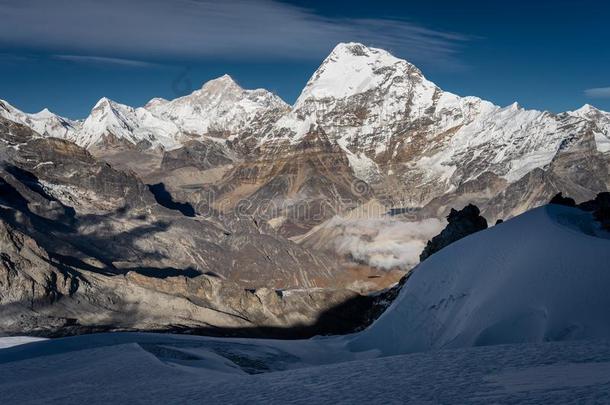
x=542 y=276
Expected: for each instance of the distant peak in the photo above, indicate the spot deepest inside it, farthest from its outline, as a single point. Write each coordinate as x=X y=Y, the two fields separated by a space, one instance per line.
x=106 y=104
x=224 y=81
x=353 y=68
x=156 y=101
x=356 y=49
x=226 y=78
x=44 y=113
x=587 y=108
x=104 y=101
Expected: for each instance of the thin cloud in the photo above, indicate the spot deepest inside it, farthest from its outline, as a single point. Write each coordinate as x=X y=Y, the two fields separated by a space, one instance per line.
x=191 y=29
x=9 y=57
x=102 y=60
x=598 y=92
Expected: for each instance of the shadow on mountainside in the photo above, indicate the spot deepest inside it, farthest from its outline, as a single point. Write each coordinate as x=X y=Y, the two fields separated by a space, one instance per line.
x=164 y=198
x=346 y=317
x=26 y=206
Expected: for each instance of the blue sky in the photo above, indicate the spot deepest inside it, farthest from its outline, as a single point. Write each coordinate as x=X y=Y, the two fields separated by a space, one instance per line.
x=66 y=54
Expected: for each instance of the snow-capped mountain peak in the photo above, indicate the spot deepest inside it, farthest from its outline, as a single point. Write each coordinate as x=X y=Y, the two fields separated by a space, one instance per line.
x=599 y=121
x=45 y=122
x=587 y=110
x=111 y=122
x=390 y=119
x=44 y=113
x=221 y=108
x=391 y=122
x=222 y=83
x=351 y=68
x=155 y=102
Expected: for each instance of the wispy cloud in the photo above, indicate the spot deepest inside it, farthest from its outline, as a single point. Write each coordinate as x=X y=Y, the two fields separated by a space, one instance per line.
x=235 y=29
x=598 y=92
x=102 y=60
x=14 y=58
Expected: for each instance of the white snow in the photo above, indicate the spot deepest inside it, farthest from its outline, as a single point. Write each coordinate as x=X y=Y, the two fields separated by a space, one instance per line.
x=45 y=123
x=12 y=341
x=161 y=369
x=601 y=125
x=123 y=122
x=221 y=105
x=348 y=70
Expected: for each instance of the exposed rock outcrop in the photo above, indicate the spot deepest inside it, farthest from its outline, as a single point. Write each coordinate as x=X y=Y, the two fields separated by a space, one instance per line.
x=461 y=223
x=600 y=207
x=559 y=199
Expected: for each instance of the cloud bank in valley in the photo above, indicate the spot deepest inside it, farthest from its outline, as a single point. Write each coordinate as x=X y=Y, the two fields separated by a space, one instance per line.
x=384 y=243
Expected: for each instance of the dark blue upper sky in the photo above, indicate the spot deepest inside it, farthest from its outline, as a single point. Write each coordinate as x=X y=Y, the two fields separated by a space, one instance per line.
x=66 y=54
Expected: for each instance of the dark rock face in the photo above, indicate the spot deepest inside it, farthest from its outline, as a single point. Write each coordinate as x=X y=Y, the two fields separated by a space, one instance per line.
x=559 y=199
x=461 y=223
x=600 y=207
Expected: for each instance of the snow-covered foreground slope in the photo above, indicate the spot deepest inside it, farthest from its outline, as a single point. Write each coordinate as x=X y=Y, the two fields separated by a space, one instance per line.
x=167 y=369
x=540 y=277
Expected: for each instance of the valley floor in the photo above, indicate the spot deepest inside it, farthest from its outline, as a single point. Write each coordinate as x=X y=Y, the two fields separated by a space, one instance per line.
x=153 y=368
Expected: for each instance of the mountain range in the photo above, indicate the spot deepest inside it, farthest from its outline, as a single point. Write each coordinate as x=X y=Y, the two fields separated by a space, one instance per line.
x=373 y=117
x=237 y=189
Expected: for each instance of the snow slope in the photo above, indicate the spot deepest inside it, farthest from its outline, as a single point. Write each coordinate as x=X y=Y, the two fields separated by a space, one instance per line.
x=161 y=369
x=538 y=277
